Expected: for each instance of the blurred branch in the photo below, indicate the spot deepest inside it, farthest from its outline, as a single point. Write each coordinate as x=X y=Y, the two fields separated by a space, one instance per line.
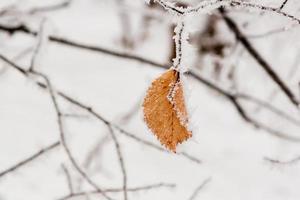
x=291 y=74
x=199 y=188
x=207 y=5
x=117 y=190
x=12 y=8
x=268 y=106
x=263 y=63
x=38 y=46
x=283 y=4
x=95 y=152
x=58 y=6
x=29 y=159
x=68 y=177
x=264 y=8
x=280 y=162
x=17 y=57
x=126 y=39
x=121 y=161
x=63 y=41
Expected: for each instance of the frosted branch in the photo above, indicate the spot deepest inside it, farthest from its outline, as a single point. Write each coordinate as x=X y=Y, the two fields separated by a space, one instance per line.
x=178 y=43
x=264 y=8
x=209 y=5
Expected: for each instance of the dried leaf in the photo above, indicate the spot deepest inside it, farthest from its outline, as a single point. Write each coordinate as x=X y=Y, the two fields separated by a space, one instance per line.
x=164 y=110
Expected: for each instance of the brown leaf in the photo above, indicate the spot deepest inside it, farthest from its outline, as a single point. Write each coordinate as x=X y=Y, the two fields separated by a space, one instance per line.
x=165 y=112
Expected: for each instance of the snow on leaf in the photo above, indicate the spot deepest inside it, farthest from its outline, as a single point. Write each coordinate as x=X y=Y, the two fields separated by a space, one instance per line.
x=165 y=112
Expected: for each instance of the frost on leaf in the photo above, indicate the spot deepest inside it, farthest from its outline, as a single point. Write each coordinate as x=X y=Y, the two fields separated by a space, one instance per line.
x=165 y=112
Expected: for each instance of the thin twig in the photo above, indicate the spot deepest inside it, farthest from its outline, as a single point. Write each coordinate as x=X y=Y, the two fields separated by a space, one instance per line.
x=29 y=159
x=68 y=177
x=19 y=56
x=233 y=99
x=207 y=5
x=199 y=188
x=280 y=162
x=38 y=46
x=264 y=8
x=283 y=4
x=121 y=161
x=268 y=106
x=117 y=190
x=55 y=7
x=64 y=41
x=62 y=134
x=261 y=61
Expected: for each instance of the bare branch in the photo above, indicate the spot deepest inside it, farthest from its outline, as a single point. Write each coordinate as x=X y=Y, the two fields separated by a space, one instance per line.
x=55 y=7
x=38 y=46
x=264 y=8
x=62 y=134
x=199 y=188
x=269 y=107
x=64 y=41
x=261 y=61
x=68 y=177
x=117 y=190
x=283 y=4
x=121 y=161
x=29 y=159
x=280 y=162
x=208 y=5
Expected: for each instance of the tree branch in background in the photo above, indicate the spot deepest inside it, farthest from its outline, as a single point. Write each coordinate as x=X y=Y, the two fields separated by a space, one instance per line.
x=69 y=178
x=121 y=161
x=209 y=5
x=268 y=106
x=35 y=10
x=38 y=46
x=29 y=159
x=117 y=190
x=199 y=188
x=283 y=4
x=261 y=61
x=280 y=162
x=55 y=7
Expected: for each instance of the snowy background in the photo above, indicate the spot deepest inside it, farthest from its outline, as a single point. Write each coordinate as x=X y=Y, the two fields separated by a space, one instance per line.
x=235 y=156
